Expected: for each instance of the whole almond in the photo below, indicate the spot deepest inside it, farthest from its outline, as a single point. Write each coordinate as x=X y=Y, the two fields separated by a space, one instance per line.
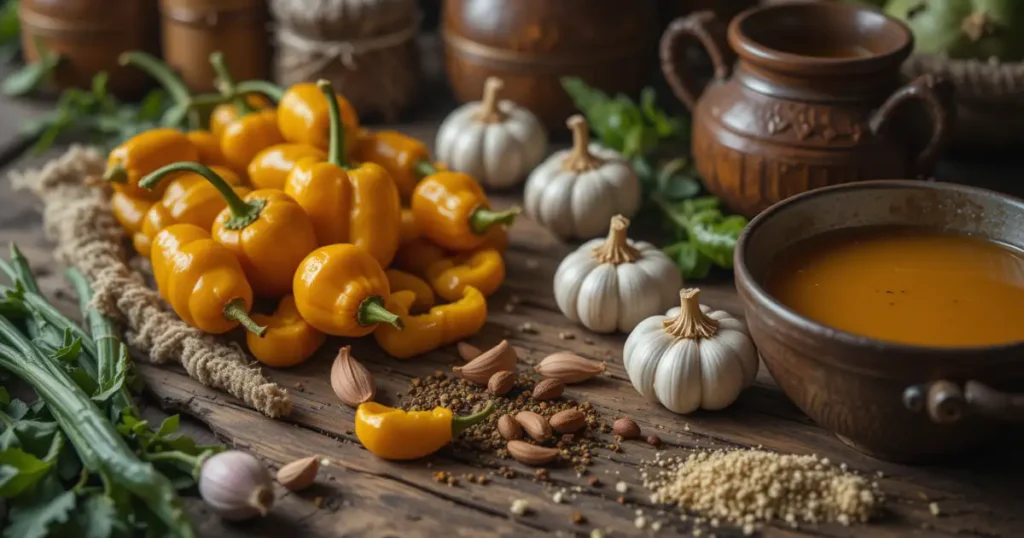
x=351 y=381
x=548 y=389
x=567 y=421
x=535 y=425
x=299 y=474
x=531 y=454
x=509 y=428
x=501 y=382
x=468 y=351
x=568 y=368
x=498 y=358
x=626 y=428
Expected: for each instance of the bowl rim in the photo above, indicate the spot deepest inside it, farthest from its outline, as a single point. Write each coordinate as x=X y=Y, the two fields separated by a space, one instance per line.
x=760 y=295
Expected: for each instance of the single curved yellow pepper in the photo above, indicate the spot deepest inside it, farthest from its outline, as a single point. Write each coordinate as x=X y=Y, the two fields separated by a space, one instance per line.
x=303 y=116
x=208 y=147
x=270 y=168
x=407 y=229
x=406 y=159
x=416 y=255
x=452 y=211
x=190 y=199
x=253 y=130
x=129 y=211
x=341 y=290
x=442 y=325
x=201 y=280
x=396 y=434
x=347 y=205
x=482 y=269
x=267 y=231
x=402 y=281
x=144 y=153
x=289 y=340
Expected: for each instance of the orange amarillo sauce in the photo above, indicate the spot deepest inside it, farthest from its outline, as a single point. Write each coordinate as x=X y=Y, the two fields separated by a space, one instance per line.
x=905 y=285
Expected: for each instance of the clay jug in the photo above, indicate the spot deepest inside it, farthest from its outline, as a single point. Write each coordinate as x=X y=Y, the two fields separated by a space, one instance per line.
x=813 y=100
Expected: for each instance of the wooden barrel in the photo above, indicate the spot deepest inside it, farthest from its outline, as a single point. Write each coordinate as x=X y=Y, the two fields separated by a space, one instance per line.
x=531 y=44
x=89 y=35
x=192 y=29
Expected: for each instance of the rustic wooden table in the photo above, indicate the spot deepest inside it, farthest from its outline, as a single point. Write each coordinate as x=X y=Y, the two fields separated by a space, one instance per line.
x=360 y=495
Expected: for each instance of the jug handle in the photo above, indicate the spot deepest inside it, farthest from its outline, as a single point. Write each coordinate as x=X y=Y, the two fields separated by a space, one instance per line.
x=947 y=403
x=937 y=95
x=704 y=27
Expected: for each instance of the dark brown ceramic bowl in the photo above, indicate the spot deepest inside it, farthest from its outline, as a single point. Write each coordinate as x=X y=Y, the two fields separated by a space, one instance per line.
x=893 y=401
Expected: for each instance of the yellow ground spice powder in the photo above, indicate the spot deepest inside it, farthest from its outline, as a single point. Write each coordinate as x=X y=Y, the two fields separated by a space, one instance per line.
x=747 y=487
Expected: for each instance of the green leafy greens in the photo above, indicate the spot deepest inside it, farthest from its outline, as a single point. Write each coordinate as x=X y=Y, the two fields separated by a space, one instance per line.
x=704 y=237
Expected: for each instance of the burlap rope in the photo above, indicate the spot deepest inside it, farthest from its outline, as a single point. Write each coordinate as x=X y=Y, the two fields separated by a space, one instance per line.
x=378 y=75
x=77 y=217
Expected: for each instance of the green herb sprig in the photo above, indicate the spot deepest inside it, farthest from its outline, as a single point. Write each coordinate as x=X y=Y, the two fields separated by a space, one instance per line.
x=703 y=236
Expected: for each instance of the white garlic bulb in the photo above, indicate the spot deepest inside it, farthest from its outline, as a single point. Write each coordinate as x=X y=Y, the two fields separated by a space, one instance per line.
x=575 y=192
x=236 y=486
x=496 y=142
x=691 y=358
x=612 y=284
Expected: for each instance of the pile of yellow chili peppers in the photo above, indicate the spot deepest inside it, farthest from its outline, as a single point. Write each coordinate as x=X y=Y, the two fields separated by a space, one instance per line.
x=353 y=232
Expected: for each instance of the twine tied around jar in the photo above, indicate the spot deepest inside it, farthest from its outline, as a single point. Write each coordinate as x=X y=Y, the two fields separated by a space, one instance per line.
x=346 y=50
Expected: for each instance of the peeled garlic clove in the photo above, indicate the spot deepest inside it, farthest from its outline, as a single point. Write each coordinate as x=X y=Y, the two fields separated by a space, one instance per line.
x=299 y=474
x=501 y=357
x=236 y=486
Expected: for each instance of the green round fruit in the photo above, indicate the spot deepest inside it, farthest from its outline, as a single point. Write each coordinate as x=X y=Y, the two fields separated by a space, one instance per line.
x=964 y=29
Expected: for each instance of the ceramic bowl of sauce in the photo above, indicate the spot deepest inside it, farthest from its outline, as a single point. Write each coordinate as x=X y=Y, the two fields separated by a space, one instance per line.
x=892 y=312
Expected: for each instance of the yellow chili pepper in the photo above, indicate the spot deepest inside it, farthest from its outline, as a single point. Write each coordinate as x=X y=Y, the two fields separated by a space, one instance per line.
x=396 y=434
x=201 y=280
x=225 y=114
x=129 y=211
x=303 y=116
x=341 y=290
x=453 y=211
x=442 y=325
x=268 y=232
x=407 y=229
x=418 y=254
x=208 y=147
x=482 y=269
x=406 y=159
x=270 y=168
x=144 y=153
x=190 y=199
x=402 y=281
x=496 y=238
x=289 y=340
x=253 y=130
x=347 y=205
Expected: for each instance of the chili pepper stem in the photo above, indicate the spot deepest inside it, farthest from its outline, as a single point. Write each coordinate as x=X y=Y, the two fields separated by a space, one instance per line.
x=226 y=83
x=483 y=219
x=269 y=89
x=425 y=168
x=243 y=213
x=116 y=174
x=372 y=311
x=461 y=424
x=235 y=311
x=336 y=145
x=159 y=70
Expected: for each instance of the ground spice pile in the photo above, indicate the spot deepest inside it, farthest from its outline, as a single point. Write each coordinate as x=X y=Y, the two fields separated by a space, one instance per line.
x=745 y=487
x=462 y=397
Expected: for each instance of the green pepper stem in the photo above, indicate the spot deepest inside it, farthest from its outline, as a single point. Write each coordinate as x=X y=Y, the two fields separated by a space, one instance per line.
x=267 y=88
x=372 y=311
x=483 y=219
x=243 y=213
x=424 y=168
x=235 y=311
x=227 y=83
x=336 y=145
x=116 y=174
x=461 y=424
x=159 y=70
